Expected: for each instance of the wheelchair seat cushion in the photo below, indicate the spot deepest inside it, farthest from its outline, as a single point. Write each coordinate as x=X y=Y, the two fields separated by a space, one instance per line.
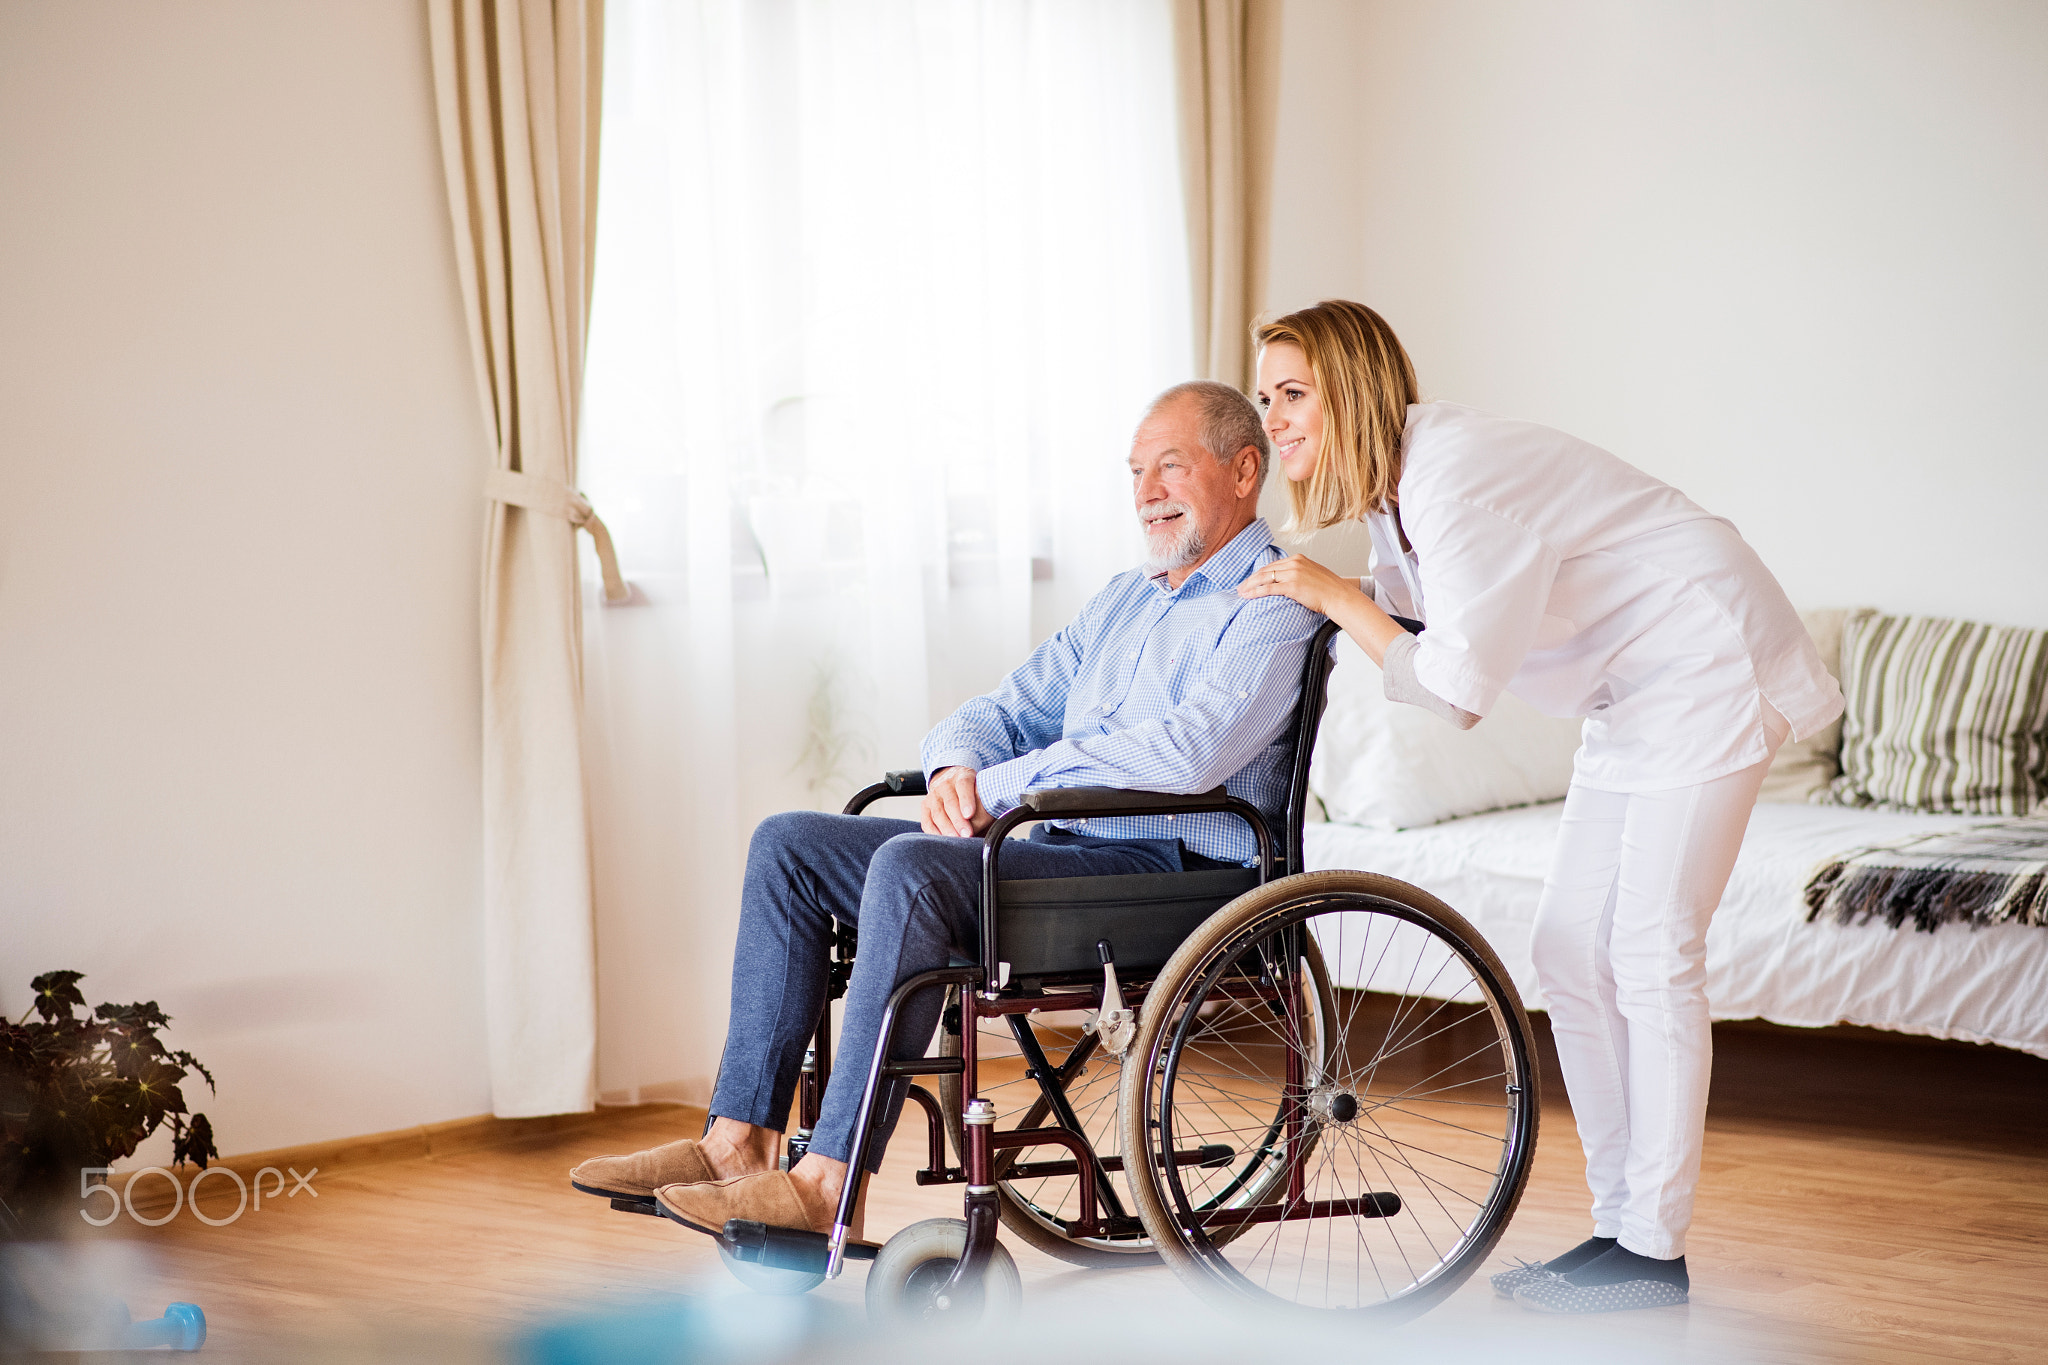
x=1049 y=926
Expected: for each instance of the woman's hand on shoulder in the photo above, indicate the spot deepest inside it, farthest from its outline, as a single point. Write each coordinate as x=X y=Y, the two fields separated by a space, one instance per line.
x=1302 y=579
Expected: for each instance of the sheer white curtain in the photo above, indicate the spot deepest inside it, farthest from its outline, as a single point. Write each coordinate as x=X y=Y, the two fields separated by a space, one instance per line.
x=881 y=291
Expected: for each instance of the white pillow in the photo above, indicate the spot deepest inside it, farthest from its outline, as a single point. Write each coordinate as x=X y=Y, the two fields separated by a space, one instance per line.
x=1384 y=765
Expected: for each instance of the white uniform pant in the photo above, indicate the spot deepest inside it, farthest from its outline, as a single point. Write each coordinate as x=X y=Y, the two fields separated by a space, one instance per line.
x=1620 y=944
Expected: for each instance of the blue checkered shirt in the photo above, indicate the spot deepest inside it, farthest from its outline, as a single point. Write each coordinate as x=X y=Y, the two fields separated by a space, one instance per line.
x=1155 y=689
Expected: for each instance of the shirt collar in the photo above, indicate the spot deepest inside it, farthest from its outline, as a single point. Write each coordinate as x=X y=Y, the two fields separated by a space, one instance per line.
x=1229 y=566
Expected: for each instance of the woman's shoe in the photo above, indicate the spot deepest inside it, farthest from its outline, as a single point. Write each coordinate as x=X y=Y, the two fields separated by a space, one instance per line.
x=1529 y=1272
x=1556 y=1294
x=1614 y=1280
x=638 y=1176
x=1525 y=1272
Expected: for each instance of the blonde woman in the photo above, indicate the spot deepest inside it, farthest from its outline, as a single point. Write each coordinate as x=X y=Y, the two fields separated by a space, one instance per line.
x=1538 y=564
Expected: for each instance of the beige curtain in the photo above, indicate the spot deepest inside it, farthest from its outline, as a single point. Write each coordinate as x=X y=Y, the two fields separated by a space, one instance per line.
x=1224 y=51
x=517 y=86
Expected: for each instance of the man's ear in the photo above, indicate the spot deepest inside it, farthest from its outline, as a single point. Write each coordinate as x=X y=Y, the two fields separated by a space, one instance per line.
x=1247 y=471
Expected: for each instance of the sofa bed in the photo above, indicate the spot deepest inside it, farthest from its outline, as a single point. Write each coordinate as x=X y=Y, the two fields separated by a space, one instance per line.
x=1932 y=705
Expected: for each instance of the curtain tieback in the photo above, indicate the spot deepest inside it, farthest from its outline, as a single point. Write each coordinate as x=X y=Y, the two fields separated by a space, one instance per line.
x=537 y=494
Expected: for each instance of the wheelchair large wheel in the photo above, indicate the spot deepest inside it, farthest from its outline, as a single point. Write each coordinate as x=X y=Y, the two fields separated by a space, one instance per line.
x=1405 y=1136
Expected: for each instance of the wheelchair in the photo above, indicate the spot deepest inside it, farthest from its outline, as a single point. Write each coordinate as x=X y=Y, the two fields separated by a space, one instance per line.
x=1306 y=1091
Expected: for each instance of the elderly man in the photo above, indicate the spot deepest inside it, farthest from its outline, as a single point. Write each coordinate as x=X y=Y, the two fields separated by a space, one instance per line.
x=1167 y=681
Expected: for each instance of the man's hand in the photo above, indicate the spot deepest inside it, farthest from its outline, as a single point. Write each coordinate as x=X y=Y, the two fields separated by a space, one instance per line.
x=952 y=804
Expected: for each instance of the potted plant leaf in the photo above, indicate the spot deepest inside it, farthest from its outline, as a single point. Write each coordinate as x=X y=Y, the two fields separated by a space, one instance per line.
x=83 y=1091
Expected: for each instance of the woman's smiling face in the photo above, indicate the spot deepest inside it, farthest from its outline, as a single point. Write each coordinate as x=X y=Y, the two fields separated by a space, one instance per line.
x=1293 y=408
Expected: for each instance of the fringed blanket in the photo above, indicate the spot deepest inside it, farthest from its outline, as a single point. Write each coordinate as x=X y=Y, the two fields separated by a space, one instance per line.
x=1990 y=874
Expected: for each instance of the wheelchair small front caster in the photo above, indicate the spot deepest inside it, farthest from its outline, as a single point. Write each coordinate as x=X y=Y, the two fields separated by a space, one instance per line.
x=904 y=1283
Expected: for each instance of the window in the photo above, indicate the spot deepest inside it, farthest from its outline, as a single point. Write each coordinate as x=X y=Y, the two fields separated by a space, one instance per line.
x=881 y=292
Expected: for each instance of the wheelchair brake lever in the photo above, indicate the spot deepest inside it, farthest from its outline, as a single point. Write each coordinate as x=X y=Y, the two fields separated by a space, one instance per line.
x=1115 y=1026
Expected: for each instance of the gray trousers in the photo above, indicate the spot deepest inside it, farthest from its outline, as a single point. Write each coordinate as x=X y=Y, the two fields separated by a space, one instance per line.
x=916 y=900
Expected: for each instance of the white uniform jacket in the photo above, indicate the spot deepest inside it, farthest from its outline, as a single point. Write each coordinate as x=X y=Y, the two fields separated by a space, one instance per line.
x=1544 y=566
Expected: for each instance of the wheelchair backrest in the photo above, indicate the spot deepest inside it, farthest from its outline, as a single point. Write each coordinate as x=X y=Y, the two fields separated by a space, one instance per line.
x=1308 y=716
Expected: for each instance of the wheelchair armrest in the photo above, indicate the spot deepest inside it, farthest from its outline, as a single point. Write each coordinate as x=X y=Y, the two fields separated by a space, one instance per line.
x=902 y=782
x=905 y=782
x=1117 y=801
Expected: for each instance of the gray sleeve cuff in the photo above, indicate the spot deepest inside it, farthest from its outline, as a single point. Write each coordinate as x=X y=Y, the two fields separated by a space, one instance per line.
x=1402 y=686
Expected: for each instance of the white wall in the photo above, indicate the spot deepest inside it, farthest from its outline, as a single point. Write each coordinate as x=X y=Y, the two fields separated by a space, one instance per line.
x=1315 y=198
x=1786 y=256
x=239 y=473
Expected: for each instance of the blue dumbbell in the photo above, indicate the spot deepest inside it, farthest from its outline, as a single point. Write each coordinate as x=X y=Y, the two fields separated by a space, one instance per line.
x=182 y=1328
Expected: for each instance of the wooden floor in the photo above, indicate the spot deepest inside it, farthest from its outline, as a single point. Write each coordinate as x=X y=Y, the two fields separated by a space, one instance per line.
x=1865 y=1198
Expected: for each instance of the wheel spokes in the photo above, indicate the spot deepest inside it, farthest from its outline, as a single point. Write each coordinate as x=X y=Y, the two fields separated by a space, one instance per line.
x=1372 y=1093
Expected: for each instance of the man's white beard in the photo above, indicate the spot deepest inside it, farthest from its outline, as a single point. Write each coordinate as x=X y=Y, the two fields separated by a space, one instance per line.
x=1183 y=549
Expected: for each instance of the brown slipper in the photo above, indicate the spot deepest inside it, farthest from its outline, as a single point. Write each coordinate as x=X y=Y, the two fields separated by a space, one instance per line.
x=770 y=1197
x=638 y=1176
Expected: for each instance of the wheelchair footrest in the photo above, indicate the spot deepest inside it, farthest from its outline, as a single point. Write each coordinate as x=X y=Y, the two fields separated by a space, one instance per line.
x=646 y=1206
x=785 y=1248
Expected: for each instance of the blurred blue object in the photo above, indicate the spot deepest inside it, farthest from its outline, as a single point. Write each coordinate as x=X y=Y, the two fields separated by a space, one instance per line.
x=57 y=1296
x=182 y=1328
x=722 y=1326
x=659 y=1335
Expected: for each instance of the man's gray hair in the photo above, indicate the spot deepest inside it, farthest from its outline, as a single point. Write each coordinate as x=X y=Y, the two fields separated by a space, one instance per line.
x=1225 y=421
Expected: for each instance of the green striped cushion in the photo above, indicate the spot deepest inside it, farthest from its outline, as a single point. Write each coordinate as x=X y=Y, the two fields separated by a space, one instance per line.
x=1943 y=716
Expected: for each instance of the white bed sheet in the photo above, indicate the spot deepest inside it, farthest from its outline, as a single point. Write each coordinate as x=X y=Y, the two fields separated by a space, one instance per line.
x=1764 y=961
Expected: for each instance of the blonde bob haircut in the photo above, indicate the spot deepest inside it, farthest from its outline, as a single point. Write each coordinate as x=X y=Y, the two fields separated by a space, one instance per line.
x=1366 y=382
